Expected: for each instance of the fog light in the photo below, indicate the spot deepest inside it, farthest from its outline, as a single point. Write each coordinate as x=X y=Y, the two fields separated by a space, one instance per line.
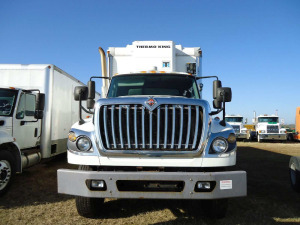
x=203 y=185
x=96 y=185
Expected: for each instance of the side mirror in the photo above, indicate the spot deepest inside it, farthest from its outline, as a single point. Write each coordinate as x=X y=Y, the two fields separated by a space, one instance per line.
x=246 y=120
x=217 y=104
x=40 y=101
x=216 y=84
x=91 y=95
x=81 y=93
x=225 y=93
x=39 y=106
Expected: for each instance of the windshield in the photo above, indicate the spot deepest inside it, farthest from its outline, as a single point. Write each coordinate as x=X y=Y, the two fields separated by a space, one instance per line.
x=234 y=119
x=7 y=101
x=153 y=85
x=268 y=119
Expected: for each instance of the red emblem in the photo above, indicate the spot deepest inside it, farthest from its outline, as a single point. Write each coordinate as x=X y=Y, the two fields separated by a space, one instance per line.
x=151 y=102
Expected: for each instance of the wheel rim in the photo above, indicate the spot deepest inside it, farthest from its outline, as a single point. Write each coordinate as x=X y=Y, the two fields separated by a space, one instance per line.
x=5 y=173
x=293 y=173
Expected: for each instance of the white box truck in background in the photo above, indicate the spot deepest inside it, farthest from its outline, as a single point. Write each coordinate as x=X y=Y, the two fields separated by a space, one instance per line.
x=29 y=134
x=153 y=135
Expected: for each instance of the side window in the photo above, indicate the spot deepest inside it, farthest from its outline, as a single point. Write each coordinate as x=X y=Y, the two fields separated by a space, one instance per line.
x=30 y=105
x=21 y=108
x=26 y=106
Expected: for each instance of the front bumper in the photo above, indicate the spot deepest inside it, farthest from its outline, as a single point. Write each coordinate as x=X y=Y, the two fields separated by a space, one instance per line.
x=241 y=136
x=281 y=137
x=227 y=184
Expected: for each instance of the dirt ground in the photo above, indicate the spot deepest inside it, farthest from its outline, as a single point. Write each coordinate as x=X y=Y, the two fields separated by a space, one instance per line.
x=33 y=197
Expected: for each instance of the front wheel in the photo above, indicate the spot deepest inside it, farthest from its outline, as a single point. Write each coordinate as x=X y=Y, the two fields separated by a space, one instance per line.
x=216 y=208
x=7 y=171
x=88 y=207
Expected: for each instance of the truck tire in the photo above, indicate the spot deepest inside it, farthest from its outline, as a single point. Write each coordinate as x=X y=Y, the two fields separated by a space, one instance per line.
x=88 y=207
x=290 y=137
x=295 y=173
x=216 y=208
x=7 y=170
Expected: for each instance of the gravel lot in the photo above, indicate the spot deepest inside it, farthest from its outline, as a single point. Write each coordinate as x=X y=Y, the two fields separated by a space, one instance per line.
x=33 y=198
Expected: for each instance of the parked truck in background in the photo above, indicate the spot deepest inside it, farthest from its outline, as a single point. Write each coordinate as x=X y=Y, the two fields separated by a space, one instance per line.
x=237 y=123
x=268 y=127
x=152 y=136
x=37 y=109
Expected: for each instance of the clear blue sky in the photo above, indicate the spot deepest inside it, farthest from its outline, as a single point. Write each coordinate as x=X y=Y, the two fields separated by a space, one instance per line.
x=253 y=46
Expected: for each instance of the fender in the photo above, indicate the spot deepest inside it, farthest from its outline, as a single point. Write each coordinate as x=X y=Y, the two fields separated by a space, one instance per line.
x=7 y=142
x=217 y=128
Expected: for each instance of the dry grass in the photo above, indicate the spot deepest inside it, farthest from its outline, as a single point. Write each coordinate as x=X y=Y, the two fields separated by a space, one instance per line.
x=33 y=198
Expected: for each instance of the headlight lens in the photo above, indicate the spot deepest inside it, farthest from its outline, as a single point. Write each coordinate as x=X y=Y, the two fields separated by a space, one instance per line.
x=262 y=131
x=219 y=145
x=84 y=144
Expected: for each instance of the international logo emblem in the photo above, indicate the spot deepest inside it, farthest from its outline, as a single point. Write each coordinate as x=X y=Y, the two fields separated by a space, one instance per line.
x=151 y=103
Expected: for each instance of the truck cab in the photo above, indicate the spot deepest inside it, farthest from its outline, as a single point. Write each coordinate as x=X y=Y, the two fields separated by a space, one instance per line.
x=268 y=128
x=237 y=123
x=20 y=129
x=152 y=135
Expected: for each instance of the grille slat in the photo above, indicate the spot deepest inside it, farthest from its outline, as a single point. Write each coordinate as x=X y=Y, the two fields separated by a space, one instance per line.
x=143 y=127
x=128 y=125
x=120 y=126
x=196 y=127
x=105 y=126
x=158 y=127
x=150 y=129
x=165 y=128
x=173 y=126
x=135 y=127
x=188 y=128
x=181 y=127
x=113 y=125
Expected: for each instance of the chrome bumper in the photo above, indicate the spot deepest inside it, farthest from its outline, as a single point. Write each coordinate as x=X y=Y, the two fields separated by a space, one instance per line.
x=273 y=136
x=241 y=136
x=227 y=184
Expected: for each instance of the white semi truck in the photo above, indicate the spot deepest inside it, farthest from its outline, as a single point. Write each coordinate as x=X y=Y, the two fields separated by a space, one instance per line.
x=268 y=127
x=237 y=123
x=37 y=109
x=152 y=136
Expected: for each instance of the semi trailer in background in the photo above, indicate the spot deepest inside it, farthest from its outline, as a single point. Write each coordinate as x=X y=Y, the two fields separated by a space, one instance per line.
x=152 y=135
x=37 y=109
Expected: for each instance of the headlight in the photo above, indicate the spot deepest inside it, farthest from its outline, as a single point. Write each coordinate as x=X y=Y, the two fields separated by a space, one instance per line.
x=262 y=131
x=219 y=145
x=84 y=143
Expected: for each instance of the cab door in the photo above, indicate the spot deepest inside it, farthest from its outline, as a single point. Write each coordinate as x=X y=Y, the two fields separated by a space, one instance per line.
x=26 y=128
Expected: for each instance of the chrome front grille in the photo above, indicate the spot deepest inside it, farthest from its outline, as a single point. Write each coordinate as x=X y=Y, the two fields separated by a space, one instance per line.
x=135 y=127
x=272 y=129
x=236 y=128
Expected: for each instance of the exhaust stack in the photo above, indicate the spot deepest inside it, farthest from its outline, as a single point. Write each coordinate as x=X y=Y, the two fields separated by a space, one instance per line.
x=104 y=72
